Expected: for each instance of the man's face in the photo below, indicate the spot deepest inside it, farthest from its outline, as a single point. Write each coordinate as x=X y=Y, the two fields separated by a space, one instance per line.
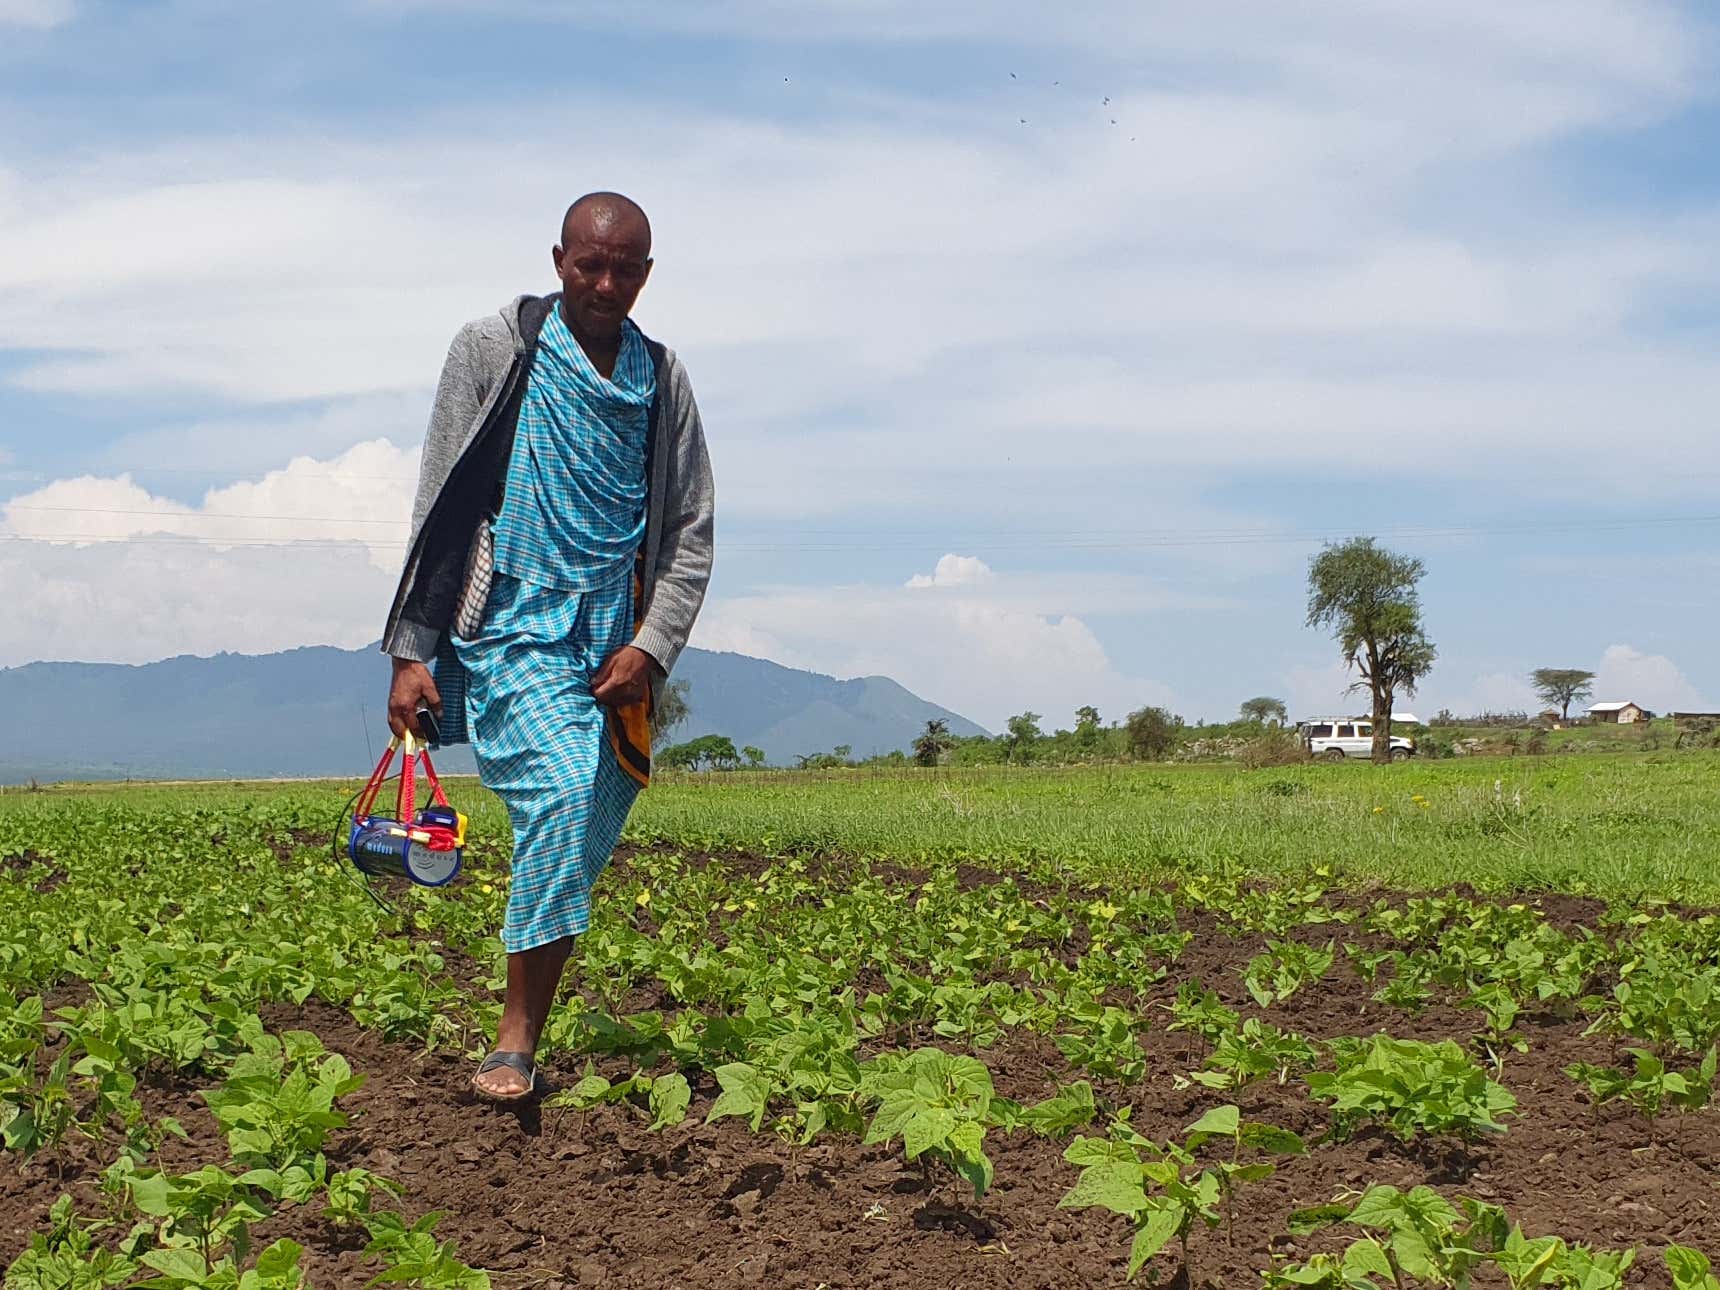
x=603 y=265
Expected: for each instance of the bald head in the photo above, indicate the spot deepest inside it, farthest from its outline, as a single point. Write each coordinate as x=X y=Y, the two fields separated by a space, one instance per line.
x=607 y=217
x=603 y=261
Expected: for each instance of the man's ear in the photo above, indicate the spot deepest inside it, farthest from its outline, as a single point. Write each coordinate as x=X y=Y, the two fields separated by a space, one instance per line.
x=556 y=254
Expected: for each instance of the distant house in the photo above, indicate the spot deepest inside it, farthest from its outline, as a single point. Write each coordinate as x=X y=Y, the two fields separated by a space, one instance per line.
x=1622 y=714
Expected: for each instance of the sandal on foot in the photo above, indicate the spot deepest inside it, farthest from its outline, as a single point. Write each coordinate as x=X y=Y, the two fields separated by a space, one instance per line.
x=520 y=1063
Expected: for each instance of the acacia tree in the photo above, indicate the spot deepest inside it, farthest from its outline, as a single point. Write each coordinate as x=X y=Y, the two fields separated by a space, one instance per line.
x=1562 y=686
x=1366 y=596
x=708 y=752
x=1265 y=709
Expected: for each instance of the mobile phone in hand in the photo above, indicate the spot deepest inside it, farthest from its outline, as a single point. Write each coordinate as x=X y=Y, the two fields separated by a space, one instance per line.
x=431 y=733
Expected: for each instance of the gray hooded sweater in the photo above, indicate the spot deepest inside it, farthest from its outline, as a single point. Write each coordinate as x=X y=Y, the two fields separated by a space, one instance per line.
x=460 y=477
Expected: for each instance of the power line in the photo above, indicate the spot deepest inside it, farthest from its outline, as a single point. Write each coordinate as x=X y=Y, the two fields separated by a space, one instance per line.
x=207 y=472
x=199 y=515
x=1177 y=535
x=107 y=539
x=1068 y=540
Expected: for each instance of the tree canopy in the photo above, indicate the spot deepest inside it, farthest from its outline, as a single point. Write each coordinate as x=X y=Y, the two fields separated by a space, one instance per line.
x=1152 y=732
x=933 y=742
x=1023 y=733
x=1367 y=597
x=1264 y=709
x=707 y=752
x=1562 y=686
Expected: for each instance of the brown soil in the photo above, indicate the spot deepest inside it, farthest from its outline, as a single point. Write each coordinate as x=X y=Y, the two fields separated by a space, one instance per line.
x=554 y=1199
x=23 y=863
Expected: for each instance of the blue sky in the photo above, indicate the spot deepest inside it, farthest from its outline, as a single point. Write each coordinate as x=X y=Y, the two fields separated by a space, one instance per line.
x=1023 y=397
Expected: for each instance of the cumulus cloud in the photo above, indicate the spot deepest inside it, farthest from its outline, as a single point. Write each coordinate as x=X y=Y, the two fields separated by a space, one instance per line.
x=356 y=498
x=1623 y=673
x=954 y=571
x=113 y=572
x=1148 y=343
x=1629 y=675
x=291 y=268
x=989 y=645
x=1488 y=692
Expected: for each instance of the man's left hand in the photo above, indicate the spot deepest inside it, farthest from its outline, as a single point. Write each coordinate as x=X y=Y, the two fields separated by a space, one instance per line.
x=624 y=678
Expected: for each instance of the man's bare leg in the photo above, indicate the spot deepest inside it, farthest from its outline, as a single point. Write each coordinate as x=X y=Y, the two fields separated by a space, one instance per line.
x=533 y=976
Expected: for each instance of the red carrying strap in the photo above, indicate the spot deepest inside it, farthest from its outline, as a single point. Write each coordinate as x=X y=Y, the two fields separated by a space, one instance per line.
x=367 y=798
x=436 y=793
x=406 y=799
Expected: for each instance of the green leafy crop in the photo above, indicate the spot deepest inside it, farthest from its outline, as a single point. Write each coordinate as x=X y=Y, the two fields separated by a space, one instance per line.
x=939 y=1105
x=1651 y=1087
x=1411 y=1088
x=1166 y=1188
x=277 y=1104
x=1418 y=1238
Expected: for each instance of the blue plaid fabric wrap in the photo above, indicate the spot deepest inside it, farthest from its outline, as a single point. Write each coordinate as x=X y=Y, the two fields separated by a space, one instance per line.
x=539 y=740
x=573 y=514
x=560 y=603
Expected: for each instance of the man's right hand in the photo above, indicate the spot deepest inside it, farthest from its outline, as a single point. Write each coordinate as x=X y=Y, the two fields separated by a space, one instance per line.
x=413 y=688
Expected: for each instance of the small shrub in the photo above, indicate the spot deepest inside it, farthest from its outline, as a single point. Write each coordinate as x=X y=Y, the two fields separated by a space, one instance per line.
x=1152 y=733
x=1273 y=748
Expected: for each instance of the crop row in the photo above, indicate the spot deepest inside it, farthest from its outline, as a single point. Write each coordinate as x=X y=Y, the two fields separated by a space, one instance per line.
x=817 y=997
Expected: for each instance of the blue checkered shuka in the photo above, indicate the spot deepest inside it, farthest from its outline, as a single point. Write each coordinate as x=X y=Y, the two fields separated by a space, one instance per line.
x=561 y=602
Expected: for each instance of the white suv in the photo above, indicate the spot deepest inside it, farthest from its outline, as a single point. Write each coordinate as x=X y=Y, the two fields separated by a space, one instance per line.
x=1335 y=738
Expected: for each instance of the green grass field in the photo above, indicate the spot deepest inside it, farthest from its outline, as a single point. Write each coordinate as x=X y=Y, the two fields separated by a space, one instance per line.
x=221 y=1059
x=1619 y=826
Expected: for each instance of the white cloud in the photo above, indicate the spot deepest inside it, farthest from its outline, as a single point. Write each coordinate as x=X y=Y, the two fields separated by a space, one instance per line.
x=987 y=646
x=135 y=602
x=1627 y=674
x=1317 y=235
x=1623 y=673
x=293 y=268
x=36 y=13
x=113 y=572
x=1491 y=692
x=1564 y=48
x=954 y=571
x=356 y=497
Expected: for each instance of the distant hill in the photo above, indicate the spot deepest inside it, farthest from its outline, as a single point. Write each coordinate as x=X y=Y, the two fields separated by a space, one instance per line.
x=307 y=712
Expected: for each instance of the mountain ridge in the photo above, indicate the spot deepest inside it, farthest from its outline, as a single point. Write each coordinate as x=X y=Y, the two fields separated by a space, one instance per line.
x=318 y=710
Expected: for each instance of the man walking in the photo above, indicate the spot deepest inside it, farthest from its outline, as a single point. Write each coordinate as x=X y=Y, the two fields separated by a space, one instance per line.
x=560 y=551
